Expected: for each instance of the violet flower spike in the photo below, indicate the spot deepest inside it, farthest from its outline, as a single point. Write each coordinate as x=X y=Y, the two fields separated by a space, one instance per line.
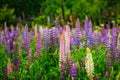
x=38 y=45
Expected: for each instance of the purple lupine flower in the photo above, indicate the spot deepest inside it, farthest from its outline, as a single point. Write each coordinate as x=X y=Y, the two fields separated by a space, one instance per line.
x=54 y=34
x=86 y=24
x=16 y=64
x=97 y=38
x=26 y=40
x=114 y=37
x=89 y=39
x=25 y=32
x=108 y=41
x=1 y=37
x=46 y=37
x=74 y=41
x=89 y=35
x=88 y=31
x=104 y=32
x=90 y=25
x=77 y=34
x=116 y=55
x=28 y=47
x=108 y=26
x=104 y=35
x=8 y=48
x=38 y=45
x=60 y=30
x=62 y=71
x=74 y=71
x=7 y=36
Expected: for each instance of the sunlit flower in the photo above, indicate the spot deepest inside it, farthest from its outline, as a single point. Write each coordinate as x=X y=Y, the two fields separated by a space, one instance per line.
x=89 y=64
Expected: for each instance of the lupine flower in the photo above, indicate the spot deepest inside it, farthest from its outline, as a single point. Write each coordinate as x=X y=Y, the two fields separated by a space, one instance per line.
x=108 y=26
x=26 y=39
x=89 y=34
x=62 y=48
x=29 y=58
x=8 y=48
x=107 y=74
x=74 y=41
x=1 y=38
x=108 y=60
x=74 y=71
x=89 y=64
x=9 y=67
x=90 y=25
x=77 y=34
x=25 y=32
x=62 y=57
x=89 y=39
x=41 y=30
x=108 y=41
x=114 y=37
x=96 y=77
x=118 y=41
x=116 y=55
x=67 y=40
x=46 y=37
x=62 y=71
x=35 y=28
x=54 y=34
x=16 y=64
x=38 y=45
x=60 y=30
x=86 y=24
x=70 y=63
x=104 y=34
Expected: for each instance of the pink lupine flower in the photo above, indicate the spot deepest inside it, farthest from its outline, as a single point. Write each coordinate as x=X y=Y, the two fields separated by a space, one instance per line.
x=9 y=67
x=67 y=40
x=62 y=48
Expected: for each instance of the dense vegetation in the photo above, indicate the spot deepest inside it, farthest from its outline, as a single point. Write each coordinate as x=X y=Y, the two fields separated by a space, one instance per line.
x=60 y=53
x=38 y=11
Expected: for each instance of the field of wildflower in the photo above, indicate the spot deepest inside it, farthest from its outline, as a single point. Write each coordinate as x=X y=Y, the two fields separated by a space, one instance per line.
x=60 y=53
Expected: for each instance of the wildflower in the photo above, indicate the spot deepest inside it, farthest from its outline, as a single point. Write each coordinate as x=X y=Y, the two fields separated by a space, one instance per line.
x=67 y=40
x=62 y=48
x=9 y=67
x=89 y=64
x=38 y=45
x=35 y=28
x=16 y=64
x=74 y=71
x=118 y=41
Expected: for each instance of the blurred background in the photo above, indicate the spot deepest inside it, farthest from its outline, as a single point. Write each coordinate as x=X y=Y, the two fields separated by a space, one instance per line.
x=44 y=12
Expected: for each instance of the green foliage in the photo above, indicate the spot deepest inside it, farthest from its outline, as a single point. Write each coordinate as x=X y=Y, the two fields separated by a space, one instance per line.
x=40 y=20
x=46 y=67
x=6 y=15
x=3 y=62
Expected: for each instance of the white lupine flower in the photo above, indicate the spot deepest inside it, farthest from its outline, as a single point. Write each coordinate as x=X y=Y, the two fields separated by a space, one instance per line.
x=35 y=28
x=89 y=64
x=118 y=41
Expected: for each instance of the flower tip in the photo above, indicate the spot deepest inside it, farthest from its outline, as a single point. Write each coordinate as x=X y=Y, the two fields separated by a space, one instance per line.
x=88 y=50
